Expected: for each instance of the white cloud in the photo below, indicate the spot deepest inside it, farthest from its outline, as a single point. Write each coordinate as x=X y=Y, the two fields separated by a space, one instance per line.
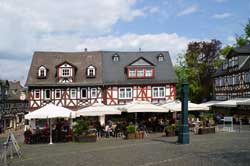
x=25 y=23
x=132 y=42
x=230 y=39
x=188 y=10
x=221 y=15
x=14 y=69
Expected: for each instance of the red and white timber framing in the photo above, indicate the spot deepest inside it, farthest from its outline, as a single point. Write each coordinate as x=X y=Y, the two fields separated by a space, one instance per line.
x=63 y=97
x=139 y=92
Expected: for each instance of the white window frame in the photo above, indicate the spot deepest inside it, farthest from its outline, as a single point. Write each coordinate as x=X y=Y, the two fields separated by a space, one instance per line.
x=42 y=68
x=64 y=73
x=35 y=91
x=126 y=93
x=147 y=71
x=71 y=93
x=93 y=90
x=56 y=91
x=85 y=93
x=132 y=72
x=45 y=97
x=116 y=58
x=159 y=93
x=141 y=71
x=89 y=69
x=161 y=58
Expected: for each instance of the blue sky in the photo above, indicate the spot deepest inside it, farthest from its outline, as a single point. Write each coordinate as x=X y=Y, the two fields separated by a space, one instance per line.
x=220 y=19
x=124 y=25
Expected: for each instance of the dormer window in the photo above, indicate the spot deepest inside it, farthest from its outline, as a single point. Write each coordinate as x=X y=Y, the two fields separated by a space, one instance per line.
x=91 y=72
x=65 y=72
x=115 y=58
x=140 y=68
x=42 y=72
x=160 y=58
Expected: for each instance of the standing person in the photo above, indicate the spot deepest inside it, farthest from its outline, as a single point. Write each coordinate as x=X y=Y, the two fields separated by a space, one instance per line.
x=98 y=129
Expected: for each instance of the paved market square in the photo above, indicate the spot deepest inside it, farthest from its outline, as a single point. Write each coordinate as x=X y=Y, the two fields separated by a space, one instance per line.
x=222 y=148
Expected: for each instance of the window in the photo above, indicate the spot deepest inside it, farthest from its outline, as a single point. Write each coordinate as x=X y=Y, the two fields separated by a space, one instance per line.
x=160 y=58
x=125 y=93
x=140 y=72
x=37 y=94
x=159 y=92
x=83 y=93
x=247 y=77
x=149 y=73
x=47 y=94
x=132 y=73
x=72 y=93
x=65 y=72
x=93 y=93
x=42 y=72
x=115 y=58
x=91 y=72
x=57 y=93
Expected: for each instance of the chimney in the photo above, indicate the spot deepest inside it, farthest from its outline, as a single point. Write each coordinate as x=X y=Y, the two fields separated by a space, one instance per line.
x=140 y=49
x=85 y=49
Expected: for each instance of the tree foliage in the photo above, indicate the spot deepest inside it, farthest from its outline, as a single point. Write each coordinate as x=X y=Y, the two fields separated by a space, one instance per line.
x=247 y=30
x=197 y=67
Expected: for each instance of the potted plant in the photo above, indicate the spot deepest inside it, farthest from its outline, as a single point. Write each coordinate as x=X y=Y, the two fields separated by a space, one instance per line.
x=170 y=130
x=81 y=133
x=131 y=132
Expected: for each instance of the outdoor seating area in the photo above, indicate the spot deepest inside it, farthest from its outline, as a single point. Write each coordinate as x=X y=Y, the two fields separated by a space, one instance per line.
x=61 y=132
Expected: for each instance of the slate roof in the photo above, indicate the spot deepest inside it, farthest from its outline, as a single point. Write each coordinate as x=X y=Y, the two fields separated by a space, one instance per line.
x=107 y=71
x=15 y=90
x=244 y=59
x=115 y=73
x=81 y=60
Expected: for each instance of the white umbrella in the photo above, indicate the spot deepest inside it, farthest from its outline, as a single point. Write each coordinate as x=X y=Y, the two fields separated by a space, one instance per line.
x=143 y=106
x=175 y=106
x=98 y=109
x=50 y=111
x=231 y=103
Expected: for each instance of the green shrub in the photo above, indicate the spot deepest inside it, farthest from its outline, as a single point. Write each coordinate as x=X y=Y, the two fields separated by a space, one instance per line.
x=80 y=126
x=131 y=128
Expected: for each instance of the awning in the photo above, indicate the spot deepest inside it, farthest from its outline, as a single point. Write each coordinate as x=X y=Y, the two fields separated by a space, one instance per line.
x=244 y=103
x=98 y=109
x=50 y=111
x=208 y=104
x=143 y=106
x=231 y=103
x=175 y=106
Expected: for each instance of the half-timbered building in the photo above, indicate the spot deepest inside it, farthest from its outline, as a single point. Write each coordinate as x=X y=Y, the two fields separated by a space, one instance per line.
x=129 y=76
x=77 y=79
x=232 y=80
x=13 y=105
x=66 y=79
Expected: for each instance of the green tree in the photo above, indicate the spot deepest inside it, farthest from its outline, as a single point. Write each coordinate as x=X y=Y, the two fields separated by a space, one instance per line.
x=197 y=67
x=241 y=40
x=247 y=30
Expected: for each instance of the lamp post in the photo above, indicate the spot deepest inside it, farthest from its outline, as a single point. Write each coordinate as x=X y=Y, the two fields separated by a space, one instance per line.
x=183 y=137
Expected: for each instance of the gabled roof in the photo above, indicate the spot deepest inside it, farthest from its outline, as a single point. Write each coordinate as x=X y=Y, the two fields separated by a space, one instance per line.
x=66 y=62
x=141 y=62
x=244 y=59
x=81 y=60
x=115 y=73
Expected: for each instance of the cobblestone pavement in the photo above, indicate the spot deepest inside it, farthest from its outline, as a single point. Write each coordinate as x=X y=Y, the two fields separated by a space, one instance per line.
x=219 y=149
